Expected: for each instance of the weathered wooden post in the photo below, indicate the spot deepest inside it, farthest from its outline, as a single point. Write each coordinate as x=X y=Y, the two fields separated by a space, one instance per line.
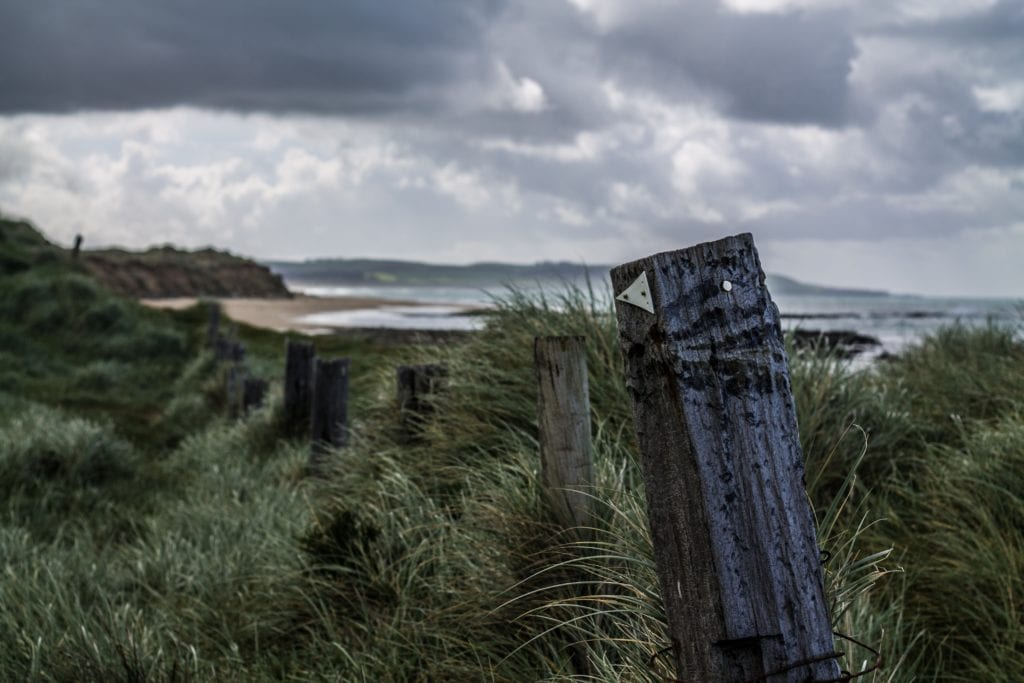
x=212 y=323
x=225 y=349
x=733 y=532
x=329 y=418
x=563 y=419
x=253 y=392
x=222 y=349
x=233 y=388
x=416 y=384
x=298 y=385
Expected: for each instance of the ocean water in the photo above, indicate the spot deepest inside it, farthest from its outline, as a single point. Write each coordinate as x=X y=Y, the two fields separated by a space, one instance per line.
x=895 y=320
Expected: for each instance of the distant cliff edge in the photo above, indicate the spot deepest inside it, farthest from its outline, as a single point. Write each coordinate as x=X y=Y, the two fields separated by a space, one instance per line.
x=165 y=272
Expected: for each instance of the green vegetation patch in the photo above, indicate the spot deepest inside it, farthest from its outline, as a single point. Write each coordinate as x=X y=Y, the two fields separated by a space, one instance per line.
x=23 y=247
x=146 y=536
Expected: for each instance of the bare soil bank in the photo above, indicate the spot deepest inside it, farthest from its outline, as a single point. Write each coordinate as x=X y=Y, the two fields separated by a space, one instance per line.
x=167 y=272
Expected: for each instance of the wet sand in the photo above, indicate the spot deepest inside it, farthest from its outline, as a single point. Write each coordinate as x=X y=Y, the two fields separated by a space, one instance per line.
x=283 y=315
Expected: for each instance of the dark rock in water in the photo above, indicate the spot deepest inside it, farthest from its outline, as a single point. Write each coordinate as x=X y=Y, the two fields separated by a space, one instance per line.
x=844 y=343
x=819 y=316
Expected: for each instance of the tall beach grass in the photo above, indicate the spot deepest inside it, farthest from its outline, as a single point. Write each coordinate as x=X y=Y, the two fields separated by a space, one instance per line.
x=191 y=547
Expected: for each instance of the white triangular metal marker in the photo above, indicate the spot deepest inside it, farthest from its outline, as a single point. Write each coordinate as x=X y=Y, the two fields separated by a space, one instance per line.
x=638 y=294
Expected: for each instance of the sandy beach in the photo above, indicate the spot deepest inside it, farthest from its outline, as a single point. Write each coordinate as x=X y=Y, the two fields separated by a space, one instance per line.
x=284 y=314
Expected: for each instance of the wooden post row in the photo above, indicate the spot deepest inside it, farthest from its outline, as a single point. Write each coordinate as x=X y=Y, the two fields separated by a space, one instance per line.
x=212 y=323
x=298 y=386
x=563 y=420
x=329 y=418
x=233 y=388
x=221 y=347
x=226 y=349
x=416 y=384
x=733 y=532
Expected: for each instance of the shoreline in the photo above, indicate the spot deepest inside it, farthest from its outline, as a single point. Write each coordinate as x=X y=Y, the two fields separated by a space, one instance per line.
x=285 y=315
x=282 y=314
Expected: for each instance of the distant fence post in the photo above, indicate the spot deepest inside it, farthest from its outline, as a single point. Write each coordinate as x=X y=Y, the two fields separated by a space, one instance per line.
x=329 y=419
x=212 y=323
x=233 y=351
x=415 y=384
x=566 y=461
x=253 y=392
x=734 y=540
x=77 y=249
x=222 y=347
x=233 y=388
x=298 y=385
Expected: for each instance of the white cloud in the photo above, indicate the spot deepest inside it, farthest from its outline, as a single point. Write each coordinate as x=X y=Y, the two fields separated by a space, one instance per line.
x=776 y=6
x=521 y=94
x=466 y=188
x=570 y=215
x=604 y=12
x=301 y=171
x=981 y=195
x=930 y=10
x=973 y=263
x=586 y=146
x=695 y=162
x=1002 y=99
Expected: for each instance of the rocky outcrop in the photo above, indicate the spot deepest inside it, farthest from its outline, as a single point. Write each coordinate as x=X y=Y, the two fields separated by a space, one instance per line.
x=168 y=272
x=843 y=343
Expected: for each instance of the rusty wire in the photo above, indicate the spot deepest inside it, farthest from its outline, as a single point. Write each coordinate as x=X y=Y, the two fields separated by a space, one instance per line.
x=844 y=675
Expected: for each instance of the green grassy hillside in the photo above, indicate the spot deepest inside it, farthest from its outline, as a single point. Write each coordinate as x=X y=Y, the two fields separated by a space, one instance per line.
x=146 y=537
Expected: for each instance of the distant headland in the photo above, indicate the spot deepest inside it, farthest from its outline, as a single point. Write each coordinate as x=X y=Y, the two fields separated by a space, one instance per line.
x=383 y=272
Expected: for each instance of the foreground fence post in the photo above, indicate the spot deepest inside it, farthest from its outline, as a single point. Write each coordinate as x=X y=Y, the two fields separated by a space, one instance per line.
x=329 y=419
x=298 y=385
x=733 y=532
x=416 y=383
x=563 y=419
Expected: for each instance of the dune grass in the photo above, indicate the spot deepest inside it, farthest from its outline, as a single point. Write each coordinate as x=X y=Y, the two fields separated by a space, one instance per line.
x=146 y=537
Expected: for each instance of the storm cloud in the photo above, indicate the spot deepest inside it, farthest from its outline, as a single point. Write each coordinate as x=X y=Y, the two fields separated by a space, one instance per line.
x=595 y=130
x=248 y=55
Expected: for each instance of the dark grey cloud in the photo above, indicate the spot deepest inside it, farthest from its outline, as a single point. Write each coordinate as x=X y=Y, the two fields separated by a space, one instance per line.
x=304 y=55
x=512 y=129
x=386 y=56
x=1003 y=21
x=790 y=67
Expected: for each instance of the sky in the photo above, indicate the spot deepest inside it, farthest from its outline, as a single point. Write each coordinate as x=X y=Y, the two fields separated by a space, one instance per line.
x=870 y=143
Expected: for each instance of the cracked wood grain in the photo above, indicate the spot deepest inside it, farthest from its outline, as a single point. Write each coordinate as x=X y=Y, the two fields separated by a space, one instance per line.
x=731 y=524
